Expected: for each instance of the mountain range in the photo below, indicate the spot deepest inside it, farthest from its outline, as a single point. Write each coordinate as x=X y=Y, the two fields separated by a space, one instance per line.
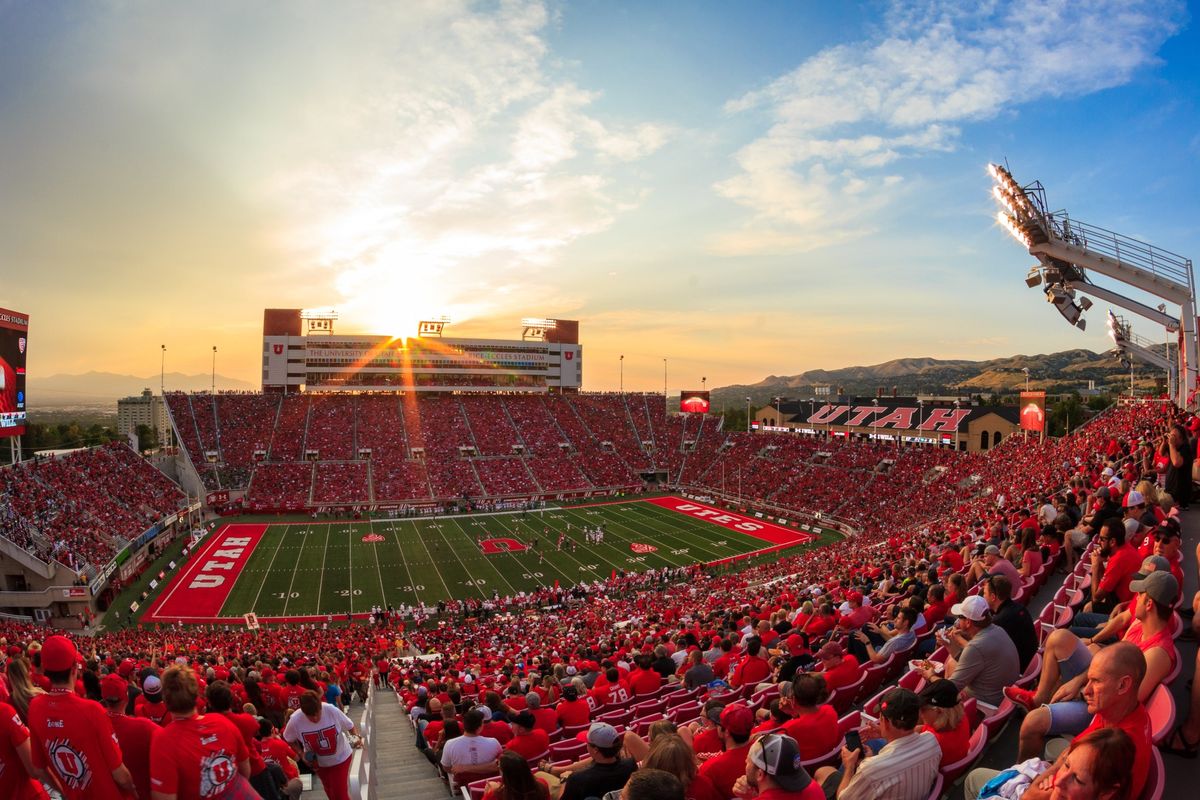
x=1069 y=370
x=93 y=388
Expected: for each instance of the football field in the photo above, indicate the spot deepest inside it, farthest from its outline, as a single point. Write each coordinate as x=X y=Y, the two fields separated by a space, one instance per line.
x=306 y=570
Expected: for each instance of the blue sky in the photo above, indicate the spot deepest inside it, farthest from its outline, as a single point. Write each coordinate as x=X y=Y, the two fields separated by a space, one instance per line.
x=743 y=188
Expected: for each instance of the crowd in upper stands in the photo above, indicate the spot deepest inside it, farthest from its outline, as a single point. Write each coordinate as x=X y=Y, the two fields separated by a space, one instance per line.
x=82 y=507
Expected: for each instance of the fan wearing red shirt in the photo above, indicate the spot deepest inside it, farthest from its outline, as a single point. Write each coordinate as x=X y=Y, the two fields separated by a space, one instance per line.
x=149 y=704
x=292 y=690
x=135 y=735
x=73 y=736
x=724 y=770
x=279 y=753
x=644 y=680
x=220 y=701
x=196 y=757
x=615 y=692
x=753 y=668
x=572 y=711
x=813 y=725
x=840 y=668
x=16 y=759
x=1115 y=562
x=528 y=741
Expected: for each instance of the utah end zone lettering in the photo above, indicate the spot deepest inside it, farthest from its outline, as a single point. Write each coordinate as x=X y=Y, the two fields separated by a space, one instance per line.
x=736 y=522
x=220 y=563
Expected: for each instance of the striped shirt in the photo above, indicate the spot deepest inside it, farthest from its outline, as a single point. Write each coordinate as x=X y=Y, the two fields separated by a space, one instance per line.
x=903 y=770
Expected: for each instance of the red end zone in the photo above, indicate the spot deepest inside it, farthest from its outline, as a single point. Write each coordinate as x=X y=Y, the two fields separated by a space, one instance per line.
x=198 y=592
x=777 y=535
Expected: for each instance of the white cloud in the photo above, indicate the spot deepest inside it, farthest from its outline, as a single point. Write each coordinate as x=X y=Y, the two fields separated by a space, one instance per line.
x=850 y=112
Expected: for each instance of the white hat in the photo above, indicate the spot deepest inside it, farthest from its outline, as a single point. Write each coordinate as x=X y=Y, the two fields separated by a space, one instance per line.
x=973 y=607
x=1134 y=498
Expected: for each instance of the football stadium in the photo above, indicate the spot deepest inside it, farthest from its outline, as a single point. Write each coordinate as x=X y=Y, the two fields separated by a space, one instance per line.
x=433 y=565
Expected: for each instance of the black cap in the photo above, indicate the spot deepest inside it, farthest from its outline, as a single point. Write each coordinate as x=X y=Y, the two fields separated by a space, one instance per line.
x=941 y=693
x=900 y=707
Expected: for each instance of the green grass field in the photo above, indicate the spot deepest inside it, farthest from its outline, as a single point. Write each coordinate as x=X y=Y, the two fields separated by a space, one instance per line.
x=300 y=569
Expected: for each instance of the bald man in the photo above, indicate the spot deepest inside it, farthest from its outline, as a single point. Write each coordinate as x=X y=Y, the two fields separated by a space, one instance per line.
x=1111 y=693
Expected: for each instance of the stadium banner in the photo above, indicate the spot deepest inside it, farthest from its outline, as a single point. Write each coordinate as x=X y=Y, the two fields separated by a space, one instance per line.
x=14 y=347
x=941 y=420
x=1033 y=411
x=692 y=401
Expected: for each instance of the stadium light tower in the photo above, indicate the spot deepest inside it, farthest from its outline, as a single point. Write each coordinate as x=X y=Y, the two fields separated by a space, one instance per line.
x=1130 y=346
x=1067 y=249
x=747 y=415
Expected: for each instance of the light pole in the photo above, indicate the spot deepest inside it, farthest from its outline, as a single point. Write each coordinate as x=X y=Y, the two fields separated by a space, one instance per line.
x=162 y=372
x=214 y=370
x=747 y=415
x=920 y=417
x=622 y=374
x=778 y=412
x=1026 y=371
x=664 y=382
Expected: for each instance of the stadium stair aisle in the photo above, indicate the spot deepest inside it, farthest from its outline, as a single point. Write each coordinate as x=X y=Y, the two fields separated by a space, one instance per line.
x=402 y=773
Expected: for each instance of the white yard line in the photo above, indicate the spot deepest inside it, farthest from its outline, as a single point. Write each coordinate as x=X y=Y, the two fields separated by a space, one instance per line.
x=470 y=573
x=258 y=594
x=523 y=570
x=433 y=562
x=295 y=568
x=411 y=583
x=321 y=579
x=378 y=571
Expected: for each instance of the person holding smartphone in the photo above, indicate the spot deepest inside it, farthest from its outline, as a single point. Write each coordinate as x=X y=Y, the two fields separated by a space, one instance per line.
x=903 y=770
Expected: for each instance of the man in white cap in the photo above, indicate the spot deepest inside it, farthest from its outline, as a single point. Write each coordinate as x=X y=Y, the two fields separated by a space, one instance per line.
x=608 y=771
x=983 y=659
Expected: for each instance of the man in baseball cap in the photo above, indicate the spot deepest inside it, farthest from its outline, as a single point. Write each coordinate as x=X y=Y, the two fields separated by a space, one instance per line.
x=608 y=772
x=909 y=759
x=73 y=736
x=134 y=734
x=983 y=658
x=773 y=768
x=735 y=723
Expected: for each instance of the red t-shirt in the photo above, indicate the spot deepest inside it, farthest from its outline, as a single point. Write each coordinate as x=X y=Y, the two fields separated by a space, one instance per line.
x=707 y=741
x=291 y=695
x=725 y=769
x=15 y=782
x=196 y=757
x=248 y=727
x=73 y=737
x=644 y=681
x=573 y=712
x=155 y=712
x=529 y=745
x=1137 y=725
x=136 y=735
x=843 y=674
x=815 y=733
x=750 y=671
x=955 y=743
x=278 y=752
x=500 y=731
x=1119 y=570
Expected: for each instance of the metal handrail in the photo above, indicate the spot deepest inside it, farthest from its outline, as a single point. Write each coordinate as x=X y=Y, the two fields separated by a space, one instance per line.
x=1125 y=249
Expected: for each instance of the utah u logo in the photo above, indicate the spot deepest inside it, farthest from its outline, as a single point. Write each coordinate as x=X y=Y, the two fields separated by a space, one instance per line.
x=322 y=742
x=501 y=545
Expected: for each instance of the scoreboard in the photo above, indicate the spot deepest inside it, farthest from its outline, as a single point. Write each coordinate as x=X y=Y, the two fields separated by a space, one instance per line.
x=14 y=345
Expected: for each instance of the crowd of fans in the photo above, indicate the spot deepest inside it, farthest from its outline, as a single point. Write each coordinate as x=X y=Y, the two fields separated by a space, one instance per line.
x=705 y=684
x=81 y=507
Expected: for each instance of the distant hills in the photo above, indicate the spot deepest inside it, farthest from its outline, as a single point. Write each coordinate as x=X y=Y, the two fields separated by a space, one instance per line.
x=96 y=388
x=1069 y=370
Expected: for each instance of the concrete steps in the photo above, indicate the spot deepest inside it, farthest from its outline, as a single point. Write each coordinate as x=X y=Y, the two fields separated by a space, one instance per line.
x=402 y=772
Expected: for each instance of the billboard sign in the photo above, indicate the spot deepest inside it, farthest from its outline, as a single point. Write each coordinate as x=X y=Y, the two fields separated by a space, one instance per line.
x=693 y=402
x=1033 y=411
x=14 y=347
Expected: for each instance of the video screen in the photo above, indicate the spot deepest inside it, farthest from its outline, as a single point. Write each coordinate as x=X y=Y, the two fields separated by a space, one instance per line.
x=14 y=345
x=693 y=402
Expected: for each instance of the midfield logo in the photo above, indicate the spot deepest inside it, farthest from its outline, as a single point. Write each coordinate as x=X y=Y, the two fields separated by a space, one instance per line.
x=638 y=547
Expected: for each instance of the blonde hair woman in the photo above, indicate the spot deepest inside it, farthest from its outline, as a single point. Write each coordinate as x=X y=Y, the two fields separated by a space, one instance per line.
x=20 y=686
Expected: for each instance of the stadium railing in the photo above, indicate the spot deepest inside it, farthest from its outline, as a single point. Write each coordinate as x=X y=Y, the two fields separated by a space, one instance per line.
x=362 y=765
